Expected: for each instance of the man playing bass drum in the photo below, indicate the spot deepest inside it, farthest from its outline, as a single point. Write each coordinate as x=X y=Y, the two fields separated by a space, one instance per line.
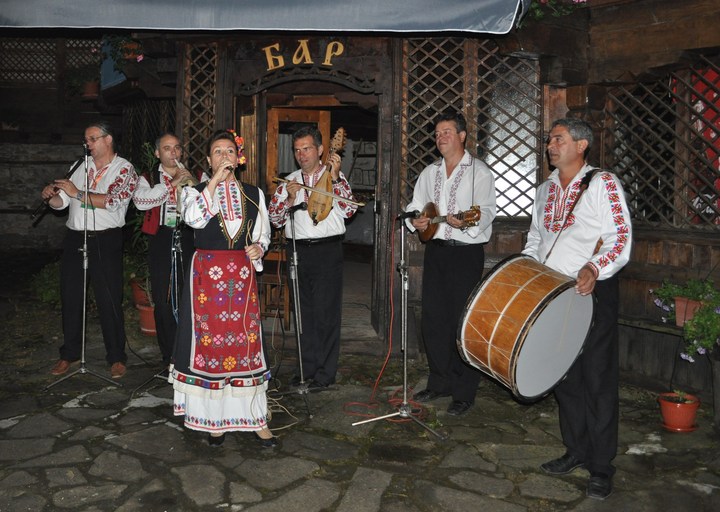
x=454 y=257
x=320 y=255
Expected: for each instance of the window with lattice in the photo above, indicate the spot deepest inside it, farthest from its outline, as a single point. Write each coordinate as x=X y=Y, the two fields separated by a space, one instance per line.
x=663 y=140
x=501 y=98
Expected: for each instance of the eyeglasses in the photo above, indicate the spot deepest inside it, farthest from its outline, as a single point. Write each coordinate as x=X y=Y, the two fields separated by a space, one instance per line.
x=94 y=139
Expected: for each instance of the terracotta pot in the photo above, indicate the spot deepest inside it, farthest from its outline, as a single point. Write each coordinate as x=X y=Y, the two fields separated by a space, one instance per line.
x=678 y=416
x=146 y=313
x=90 y=90
x=685 y=309
x=139 y=291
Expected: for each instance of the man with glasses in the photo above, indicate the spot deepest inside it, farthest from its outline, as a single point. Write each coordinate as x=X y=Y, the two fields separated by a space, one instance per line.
x=454 y=257
x=320 y=254
x=110 y=183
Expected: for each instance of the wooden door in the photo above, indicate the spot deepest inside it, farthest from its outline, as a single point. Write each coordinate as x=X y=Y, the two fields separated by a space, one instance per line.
x=285 y=121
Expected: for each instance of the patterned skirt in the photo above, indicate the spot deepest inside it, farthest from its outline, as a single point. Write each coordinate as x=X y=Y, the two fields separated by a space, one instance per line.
x=219 y=371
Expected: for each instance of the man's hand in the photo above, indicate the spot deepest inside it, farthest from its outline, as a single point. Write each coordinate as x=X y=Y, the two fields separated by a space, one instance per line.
x=421 y=223
x=585 y=282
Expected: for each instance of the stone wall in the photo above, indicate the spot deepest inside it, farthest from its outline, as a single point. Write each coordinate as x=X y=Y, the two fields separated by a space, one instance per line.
x=24 y=170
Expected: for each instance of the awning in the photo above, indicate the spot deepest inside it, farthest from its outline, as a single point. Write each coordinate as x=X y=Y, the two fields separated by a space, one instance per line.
x=479 y=16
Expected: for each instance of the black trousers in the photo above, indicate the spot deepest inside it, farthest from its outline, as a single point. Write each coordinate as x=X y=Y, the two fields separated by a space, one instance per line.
x=320 y=281
x=105 y=274
x=450 y=274
x=588 y=397
x=163 y=277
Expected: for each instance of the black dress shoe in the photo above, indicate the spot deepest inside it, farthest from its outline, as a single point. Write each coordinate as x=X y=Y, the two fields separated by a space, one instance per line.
x=562 y=465
x=266 y=443
x=317 y=385
x=427 y=395
x=216 y=440
x=599 y=487
x=458 y=407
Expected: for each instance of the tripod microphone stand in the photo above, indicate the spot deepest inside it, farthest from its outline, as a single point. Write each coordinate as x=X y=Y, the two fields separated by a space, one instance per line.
x=404 y=410
x=177 y=276
x=303 y=388
x=82 y=370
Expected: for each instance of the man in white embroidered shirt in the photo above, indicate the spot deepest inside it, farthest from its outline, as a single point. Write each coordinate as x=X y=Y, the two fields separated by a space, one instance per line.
x=111 y=182
x=454 y=257
x=585 y=233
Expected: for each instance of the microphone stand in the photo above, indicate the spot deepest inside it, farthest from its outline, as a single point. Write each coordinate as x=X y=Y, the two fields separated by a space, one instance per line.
x=303 y=388
x=82 y=370
x=404 y=410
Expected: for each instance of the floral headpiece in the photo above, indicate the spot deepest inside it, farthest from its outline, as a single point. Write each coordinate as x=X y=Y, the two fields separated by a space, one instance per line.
x=240 y=143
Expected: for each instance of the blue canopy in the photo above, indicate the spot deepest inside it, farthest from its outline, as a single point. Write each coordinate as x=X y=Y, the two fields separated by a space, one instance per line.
x=479 y=16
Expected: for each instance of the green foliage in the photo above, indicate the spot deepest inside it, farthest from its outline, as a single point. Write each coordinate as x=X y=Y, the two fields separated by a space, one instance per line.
x=702 y=331
x=46 y=285
x=540 y=9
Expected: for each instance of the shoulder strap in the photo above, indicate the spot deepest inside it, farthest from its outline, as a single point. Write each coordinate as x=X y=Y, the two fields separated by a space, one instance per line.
x=584 y=184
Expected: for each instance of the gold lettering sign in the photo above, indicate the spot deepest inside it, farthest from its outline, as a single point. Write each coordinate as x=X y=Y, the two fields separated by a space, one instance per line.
x=275 y=56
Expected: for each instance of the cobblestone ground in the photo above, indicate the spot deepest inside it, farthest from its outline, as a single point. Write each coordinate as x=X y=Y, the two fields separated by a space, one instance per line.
x=86 y=444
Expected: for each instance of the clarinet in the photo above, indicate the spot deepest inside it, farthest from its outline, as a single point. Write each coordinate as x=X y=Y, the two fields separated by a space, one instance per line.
x=44 y=206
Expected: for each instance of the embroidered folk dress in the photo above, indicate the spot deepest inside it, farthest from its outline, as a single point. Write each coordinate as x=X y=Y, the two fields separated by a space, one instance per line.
x=219 y=371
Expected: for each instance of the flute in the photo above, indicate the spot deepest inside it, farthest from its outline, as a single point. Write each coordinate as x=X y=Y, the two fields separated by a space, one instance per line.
x=45 y=204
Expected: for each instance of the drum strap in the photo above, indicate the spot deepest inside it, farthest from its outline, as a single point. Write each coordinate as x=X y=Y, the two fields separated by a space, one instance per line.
x=584 y=184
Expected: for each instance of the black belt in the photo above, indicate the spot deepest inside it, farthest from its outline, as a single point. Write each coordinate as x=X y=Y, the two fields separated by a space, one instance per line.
x=448 y=243
x=101 y=232
x=316 y=241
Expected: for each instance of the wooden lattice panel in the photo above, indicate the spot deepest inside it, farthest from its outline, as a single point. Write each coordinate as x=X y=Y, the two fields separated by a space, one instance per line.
x=201 y=68
x=501 y=100
x=143 y=121
x=38 y=61
x=663 y=140
x=28 y=61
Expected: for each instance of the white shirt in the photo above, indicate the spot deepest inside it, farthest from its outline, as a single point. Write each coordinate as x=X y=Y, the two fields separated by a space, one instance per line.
x=332 y=225
x=161 y=194
x=601 y=214
x=198 y=208
x=117 y=180
x=470 y=184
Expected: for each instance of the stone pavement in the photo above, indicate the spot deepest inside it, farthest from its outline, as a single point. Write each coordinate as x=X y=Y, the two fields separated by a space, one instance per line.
x=88 y=445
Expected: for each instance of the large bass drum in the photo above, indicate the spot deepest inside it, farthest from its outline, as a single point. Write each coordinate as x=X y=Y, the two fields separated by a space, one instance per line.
x=525 y=325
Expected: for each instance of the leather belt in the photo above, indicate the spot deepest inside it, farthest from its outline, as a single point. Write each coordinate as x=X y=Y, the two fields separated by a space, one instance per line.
x=101 y=232
x=448 y=243
x=317 y=241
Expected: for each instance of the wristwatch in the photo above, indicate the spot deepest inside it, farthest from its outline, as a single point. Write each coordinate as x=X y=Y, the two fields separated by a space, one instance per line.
x=79 y=195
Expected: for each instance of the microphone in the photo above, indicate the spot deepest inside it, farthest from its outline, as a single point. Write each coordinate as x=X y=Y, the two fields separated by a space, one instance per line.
x=301 y=206
x=86 y=149
x=408 y=215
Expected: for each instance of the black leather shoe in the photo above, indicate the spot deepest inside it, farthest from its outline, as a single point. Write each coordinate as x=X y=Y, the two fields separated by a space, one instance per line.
x=458 y=407
x=562 y=465
x=266 y=443
x=599 y=487
x=427 y=395
x=216 y=440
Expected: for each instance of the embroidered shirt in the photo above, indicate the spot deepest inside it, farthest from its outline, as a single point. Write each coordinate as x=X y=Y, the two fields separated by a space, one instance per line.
x=117 y=180
x=470 y=184
x=601 y=214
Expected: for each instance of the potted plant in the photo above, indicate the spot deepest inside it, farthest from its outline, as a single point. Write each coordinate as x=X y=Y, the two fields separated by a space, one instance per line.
x=84 y=80
x=694 y=306
x=678 y=410
x=135 y=258
x=122 y=50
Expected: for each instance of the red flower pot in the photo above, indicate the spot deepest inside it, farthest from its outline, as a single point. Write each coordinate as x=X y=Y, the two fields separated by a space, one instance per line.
x=685 y=309
x=146 y=314
x=677 y=415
